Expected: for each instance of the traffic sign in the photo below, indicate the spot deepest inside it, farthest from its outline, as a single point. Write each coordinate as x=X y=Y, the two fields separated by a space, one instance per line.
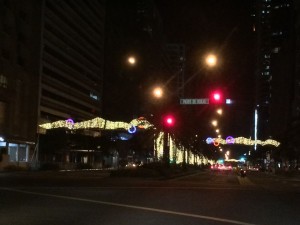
x=194 y=101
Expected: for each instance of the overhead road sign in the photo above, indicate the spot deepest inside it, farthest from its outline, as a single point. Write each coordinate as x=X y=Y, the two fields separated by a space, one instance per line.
x=194 y=101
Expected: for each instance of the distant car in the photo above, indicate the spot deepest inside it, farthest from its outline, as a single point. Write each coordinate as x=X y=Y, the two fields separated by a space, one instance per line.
x=253 y=168
x=214 y=167
x=228 y=167
x=221 y=167
x=131 y=165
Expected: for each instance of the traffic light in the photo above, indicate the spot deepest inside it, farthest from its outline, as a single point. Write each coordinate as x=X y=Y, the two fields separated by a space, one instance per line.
x=216 y=97
x=169 y=121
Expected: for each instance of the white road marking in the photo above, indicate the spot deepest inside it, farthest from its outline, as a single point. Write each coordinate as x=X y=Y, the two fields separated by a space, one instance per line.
x=131 y=206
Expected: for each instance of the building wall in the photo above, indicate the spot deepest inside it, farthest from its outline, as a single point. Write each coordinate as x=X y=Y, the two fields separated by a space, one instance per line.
x=133 y=29
x=274 y=69
x=72 y=60
x=294 y=128
x=19 y=69
x=51 y=67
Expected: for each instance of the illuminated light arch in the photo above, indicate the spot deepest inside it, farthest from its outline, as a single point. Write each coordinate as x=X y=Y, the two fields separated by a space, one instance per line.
x=245 y=141
x=99 y=123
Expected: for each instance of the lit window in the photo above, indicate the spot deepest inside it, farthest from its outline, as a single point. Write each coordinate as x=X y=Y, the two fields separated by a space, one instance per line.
x=3 y=81
x=18 y=152
x=94 y=96
x=276 y=50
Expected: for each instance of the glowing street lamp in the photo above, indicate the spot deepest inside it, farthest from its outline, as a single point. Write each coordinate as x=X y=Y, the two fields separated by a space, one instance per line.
x=214 y=123
x=157 y=92
x=211 y=60
x=131 y=60
x=220 y=111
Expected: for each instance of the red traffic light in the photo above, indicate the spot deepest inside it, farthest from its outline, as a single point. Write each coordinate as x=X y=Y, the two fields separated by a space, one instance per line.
x=216 y=97
x=169 y=121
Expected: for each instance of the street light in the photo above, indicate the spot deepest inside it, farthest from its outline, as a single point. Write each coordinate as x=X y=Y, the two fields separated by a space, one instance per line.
x=131 y=60
x=219 y=111
x=214 y=123
x=157 y=92
x=211 y=60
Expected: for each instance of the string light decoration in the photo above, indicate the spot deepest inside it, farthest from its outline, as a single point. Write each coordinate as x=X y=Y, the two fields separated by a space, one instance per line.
x=131 y=130
x=98 y=123
x=177 y=152
x=241 y=140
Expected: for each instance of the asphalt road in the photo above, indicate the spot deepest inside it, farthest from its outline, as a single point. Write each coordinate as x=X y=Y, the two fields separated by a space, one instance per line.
x=93 y=198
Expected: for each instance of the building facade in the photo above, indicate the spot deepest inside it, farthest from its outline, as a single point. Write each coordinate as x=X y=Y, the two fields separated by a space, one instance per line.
x=19 y=90
x=134 y=28
x=51 y=69
x=277 y=97
x=176 y=55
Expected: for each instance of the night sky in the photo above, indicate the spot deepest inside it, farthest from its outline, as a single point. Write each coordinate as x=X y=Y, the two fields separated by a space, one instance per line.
x=224 y=27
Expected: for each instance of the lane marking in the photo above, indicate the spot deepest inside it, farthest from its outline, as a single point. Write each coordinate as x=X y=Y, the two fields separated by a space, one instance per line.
x=130 y=206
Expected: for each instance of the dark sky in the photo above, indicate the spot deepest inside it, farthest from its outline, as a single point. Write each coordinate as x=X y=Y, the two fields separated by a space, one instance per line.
x=222 y=26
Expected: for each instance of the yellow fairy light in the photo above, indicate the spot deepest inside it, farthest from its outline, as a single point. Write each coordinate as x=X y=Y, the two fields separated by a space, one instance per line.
x=243 y=141
x=99 y=123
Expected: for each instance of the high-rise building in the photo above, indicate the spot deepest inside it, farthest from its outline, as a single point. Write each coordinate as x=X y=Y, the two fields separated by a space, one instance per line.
x=277 y=71
x=134 y=28
x=176 y=53
x=51 y=68
x=293 y=134
x=72 y=59
x=273 y=27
